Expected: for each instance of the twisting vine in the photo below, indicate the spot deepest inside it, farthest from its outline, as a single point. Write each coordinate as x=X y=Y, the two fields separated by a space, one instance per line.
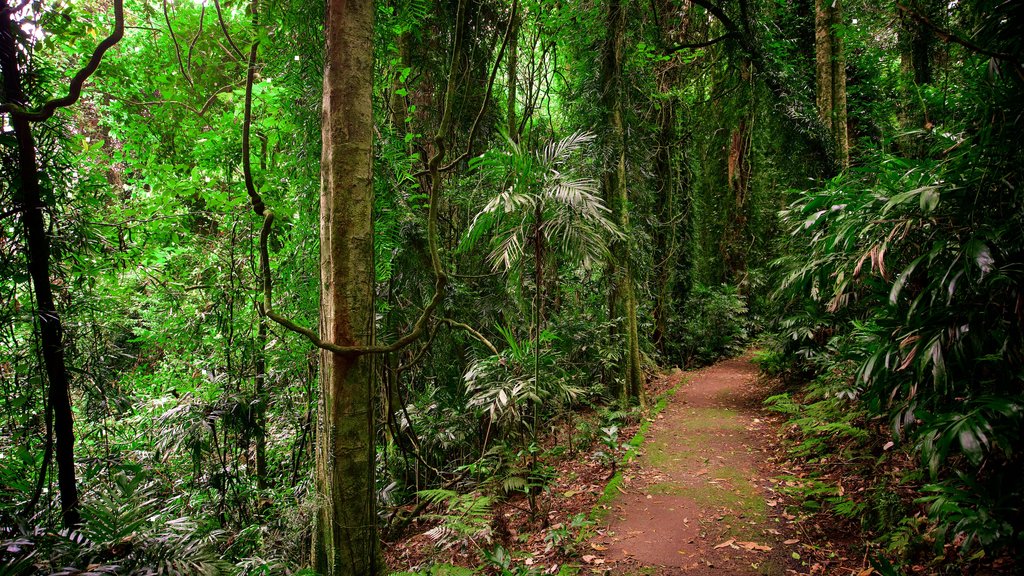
x=75 y=88
x=434 y=169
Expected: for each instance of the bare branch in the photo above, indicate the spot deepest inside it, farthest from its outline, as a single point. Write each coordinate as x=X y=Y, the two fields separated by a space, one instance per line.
x=192 y=44
x=177 y=49
x=697 y=45
x=224 y=28
x=487 y=96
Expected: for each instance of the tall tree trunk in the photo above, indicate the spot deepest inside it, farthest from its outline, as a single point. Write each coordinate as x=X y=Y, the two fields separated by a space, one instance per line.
x=738 y=176
x=665 y=238
x=345 y=541
x=28 y=200
x=261 y=401
x=672 y=30
x=622 y=297
x=830 y=73
x=512 y=80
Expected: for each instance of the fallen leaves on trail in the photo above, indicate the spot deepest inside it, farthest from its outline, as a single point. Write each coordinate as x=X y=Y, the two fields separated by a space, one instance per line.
x=749 y=546
x=728 y=542
x=791 y=541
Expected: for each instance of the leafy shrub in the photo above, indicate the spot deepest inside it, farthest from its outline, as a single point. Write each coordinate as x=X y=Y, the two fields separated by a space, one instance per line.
x=912 y=268
x=713 y=325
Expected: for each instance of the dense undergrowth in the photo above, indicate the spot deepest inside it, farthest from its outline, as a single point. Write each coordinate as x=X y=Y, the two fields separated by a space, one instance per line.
x=904 y=314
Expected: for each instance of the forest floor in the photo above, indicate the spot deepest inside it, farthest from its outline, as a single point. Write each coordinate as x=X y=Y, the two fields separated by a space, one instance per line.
x=703 y=495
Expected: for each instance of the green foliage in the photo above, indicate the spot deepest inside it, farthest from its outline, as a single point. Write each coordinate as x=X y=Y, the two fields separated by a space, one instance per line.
x=712 y=326
x=908 y=267
x=540 y=198
x=567 y=538
x=127 y=528
x=462 y=518
x=504 y=387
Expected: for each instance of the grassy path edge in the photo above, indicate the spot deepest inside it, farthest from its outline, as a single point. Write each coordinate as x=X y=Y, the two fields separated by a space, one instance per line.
x=601 y=507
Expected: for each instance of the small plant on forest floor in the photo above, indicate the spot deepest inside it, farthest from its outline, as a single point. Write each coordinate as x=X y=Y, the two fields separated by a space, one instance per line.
x=609 y=453
x=463 y=518
x=501 y=559
x=567 y=538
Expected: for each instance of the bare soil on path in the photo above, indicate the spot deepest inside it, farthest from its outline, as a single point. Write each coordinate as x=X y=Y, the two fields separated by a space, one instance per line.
x=700 y=499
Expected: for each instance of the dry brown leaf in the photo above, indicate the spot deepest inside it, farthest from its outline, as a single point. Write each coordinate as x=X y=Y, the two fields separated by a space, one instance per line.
x=728 y=542
x=791 y=541
x=598 y=547
x=754 y=546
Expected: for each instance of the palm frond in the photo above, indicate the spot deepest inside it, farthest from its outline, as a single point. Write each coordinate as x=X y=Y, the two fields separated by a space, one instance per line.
x=558 y=152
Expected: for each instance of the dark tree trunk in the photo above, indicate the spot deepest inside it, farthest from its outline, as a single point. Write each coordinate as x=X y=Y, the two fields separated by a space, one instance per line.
x=261 y=402
x=29 y=203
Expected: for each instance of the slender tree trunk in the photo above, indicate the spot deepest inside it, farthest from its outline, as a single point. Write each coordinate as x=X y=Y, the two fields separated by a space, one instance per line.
x=261 y=402
x=622 y=298
x=346 y=541
x=512 y=80
x=916 y=41
x=665 y=237
x=830 y=73
x=28 y=200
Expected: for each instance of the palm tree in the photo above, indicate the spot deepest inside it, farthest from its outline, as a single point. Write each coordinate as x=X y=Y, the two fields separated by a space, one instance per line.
x=543 y=208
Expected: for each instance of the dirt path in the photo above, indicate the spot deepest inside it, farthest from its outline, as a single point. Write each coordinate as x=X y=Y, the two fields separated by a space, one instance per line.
x=700 y=497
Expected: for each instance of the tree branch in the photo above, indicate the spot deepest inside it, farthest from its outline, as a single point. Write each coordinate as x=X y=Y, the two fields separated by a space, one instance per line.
x=790 y=104
x=224 y=28
x=75 y=88
x=14 y=9
x=177 y=49
x=487 y=96
x=192 y=44
x=472 y=331
x=948 y=37
x=697 y=45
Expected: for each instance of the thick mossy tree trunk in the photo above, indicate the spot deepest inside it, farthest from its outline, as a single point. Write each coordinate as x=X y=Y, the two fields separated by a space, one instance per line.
x=830 y=72
x=29 y=203
x=346 y=541
x=622 y=297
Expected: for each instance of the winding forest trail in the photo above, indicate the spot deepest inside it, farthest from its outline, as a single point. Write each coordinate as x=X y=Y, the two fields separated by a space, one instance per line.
x=700 y=498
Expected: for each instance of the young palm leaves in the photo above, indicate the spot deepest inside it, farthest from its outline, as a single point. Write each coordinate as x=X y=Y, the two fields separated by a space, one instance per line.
x=540 y=200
